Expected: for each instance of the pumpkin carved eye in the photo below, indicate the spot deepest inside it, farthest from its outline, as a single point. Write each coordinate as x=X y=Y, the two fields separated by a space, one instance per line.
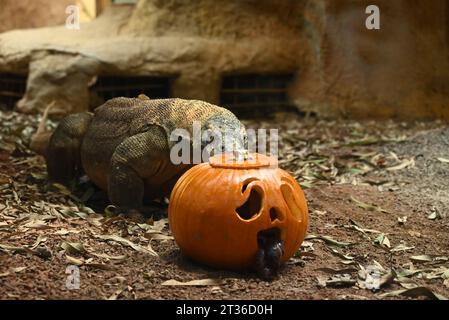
x=252 y=205
x=247 y=182
x=290 y=200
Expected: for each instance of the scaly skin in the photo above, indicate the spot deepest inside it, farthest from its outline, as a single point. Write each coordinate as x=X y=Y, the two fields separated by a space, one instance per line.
x=124 y=146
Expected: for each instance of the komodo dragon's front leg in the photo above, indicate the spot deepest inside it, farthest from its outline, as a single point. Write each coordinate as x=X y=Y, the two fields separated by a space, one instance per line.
x=141 y=162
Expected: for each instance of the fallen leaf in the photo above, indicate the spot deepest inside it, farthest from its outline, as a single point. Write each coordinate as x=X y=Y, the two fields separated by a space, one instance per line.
x=106 y=256
x=73 y=247
x=366 y=206
x=116 y=294
x=17 y=249
x=405 y=273
x=401 y=247
x=73 y=260
x=382 y=240
x=19 y=269
x=414 y=233
x=328 y=240
x=363 y=142
x=318 y=212
x=404 y=164
x=150 y=274
x=446 y=283
x=337 y=281
x=337 y=271
x=202 y=282
x=402 y=220
x=429 y=258
x=157 y=236
x=434 y=214
x=100 y=266
x=40 y=239
x=128 y=243
x=37 y=224
x=374 y=277
x=340 y=255
x=160 y=224
x=63 y=231
x=414 y=293
x=356 y=226
x=422 y=258
x=215 y=290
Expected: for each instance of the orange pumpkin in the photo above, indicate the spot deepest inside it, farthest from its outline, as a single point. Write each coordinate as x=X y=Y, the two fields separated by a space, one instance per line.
x=218 y=208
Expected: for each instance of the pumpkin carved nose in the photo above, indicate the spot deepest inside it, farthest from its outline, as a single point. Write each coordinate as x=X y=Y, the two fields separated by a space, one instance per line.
x=276 y=215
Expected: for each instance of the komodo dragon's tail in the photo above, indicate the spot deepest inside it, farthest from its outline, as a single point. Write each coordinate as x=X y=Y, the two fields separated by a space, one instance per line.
x=64 y=148
x=39 y=141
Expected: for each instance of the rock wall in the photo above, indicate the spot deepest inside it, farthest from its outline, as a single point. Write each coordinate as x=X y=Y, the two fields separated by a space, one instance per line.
x=25 y=14
x=217 y=18
x=342 y=69
x=401 y=70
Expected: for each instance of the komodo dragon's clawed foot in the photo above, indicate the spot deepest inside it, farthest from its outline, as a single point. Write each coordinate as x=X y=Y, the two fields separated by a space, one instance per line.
x=269 y=254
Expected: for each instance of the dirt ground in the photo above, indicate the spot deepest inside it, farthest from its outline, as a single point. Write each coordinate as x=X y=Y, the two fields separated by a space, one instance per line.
x=378 y=195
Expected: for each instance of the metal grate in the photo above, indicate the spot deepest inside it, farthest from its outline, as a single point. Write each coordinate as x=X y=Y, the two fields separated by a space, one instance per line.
x=107 y=87
x=12 y=89
x=255 y=92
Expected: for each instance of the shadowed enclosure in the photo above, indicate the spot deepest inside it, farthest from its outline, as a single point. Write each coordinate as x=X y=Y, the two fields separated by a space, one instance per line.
x=12 y=89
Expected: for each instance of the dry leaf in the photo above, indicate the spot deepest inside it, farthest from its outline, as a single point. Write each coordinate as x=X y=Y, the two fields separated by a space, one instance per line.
x=337 y=271
x=414 y=293
x=73 y=247
x=366 y=206
x=109 y=257
x=116 y=294
x=328 y=240
x=402 y=220
x=404 y=164
x=202 y=282
x=382 y=240
x=126 y=242
x=73 y=260
x=19 y=269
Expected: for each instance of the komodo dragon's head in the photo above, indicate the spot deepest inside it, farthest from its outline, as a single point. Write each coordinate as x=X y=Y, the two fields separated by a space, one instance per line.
x=225 y=133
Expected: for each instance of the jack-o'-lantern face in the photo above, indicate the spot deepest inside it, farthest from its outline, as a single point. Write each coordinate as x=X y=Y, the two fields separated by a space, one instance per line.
x=218 y=209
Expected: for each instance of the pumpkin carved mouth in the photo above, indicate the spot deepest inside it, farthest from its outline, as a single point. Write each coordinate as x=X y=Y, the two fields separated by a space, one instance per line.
x=269 y=253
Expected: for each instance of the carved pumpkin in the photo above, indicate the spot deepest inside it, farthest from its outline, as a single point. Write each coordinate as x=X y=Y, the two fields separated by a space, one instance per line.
x=217 y=210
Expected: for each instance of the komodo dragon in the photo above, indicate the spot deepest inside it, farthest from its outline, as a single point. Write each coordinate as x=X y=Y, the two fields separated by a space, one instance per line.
x=124 y=148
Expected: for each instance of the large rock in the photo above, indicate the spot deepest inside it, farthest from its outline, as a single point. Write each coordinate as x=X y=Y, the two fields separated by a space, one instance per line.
x=341 y=68
x=23 y=14
x=400 y=71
